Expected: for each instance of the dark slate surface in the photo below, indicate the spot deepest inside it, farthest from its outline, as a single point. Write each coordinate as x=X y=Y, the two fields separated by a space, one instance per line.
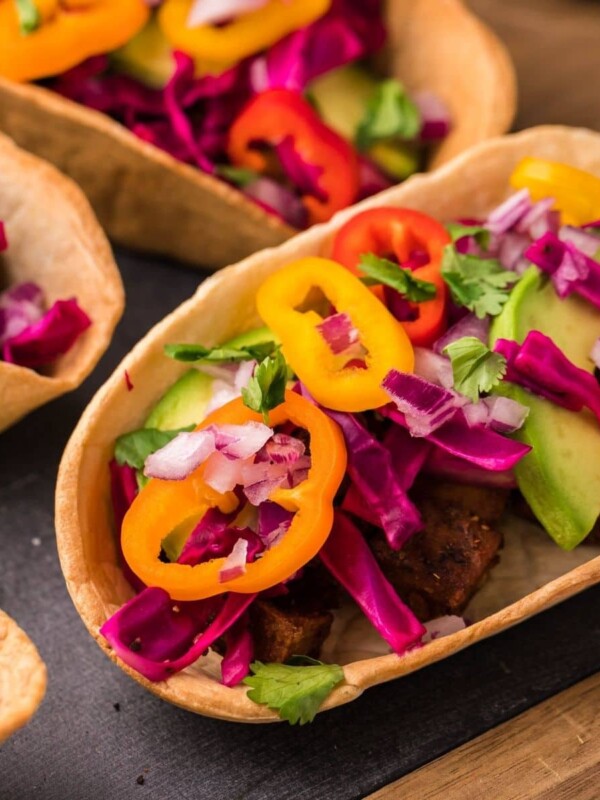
x=80 y=747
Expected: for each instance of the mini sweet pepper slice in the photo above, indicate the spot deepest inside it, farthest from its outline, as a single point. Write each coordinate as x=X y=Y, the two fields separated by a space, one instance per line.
x=400 y=233
x=280 y=115
x=68 y=32
x=351 y=388
x=577 y=193
x=242 y=37
x=163 y=505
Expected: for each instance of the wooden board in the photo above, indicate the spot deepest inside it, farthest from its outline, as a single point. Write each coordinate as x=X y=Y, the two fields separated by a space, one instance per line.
x=551 y=752
x=555 y=48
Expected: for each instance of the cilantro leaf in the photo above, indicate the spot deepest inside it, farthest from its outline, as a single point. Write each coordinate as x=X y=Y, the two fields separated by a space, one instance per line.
x=29 y=16
x=380 y=270
x=478 y=232
x=475 y=367
x=295 y=692
x=134 y=448
x=239 y=176
x=197 y=352
x=389 y=112
x=480 y=284
x=266 y=388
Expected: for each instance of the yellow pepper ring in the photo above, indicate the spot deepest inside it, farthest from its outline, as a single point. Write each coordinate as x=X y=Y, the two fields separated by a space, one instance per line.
x=162 y=505
x=311 y=358
x=577 y=193
x=244 y=36
x=68 y=34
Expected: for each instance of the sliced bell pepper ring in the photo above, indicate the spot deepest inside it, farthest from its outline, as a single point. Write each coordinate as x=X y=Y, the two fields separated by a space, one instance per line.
x=162 y=505
x=395 y=233
x=577 y=193
x=351 y=388
x=280 y=114
x=69 y=32
x=242 y=37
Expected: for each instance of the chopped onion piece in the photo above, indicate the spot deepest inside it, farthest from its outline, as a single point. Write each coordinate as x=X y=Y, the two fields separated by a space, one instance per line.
x=339 y=333
x=433 y=367
x=442 y=626
x=235 y=563
x=213 y=12
x=181 y=456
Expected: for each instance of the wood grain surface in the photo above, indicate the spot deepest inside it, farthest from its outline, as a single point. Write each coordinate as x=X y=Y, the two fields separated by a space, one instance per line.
x=548 y=753
x=555 y=45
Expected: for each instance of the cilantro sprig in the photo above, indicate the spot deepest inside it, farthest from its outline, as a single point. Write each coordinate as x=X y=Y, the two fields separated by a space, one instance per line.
x=381 y=271
x=239 y=176
x=389 y=113
x=480 y=284
x=475 y=367
x=478 y=232
x=266 y=388
x=197 y=352
x=295 y=692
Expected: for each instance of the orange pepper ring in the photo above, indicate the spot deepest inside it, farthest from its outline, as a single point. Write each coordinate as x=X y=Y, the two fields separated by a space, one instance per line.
x=162 y=505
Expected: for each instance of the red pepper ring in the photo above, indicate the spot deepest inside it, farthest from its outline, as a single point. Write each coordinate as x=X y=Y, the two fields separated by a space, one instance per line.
x=163 y=505
x=396 y=233
x=279 y=114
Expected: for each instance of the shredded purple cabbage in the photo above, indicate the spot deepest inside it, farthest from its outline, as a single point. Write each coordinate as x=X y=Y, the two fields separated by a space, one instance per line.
x=570 y=269
x=158 y=637
x=351 y=562
x=541 y=367
x=239 y=652
x=51 y=336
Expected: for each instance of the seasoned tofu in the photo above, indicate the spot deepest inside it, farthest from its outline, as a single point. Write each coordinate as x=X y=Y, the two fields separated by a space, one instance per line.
x=280 y=633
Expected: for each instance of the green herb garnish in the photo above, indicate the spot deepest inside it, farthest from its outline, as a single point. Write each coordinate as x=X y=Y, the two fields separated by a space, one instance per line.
x=239 y=176
x=480 y=284
x=134 y=448
x=475 y=367
x=295 y=692
x=478 y=232
x=380 y=270
x=29 y=16
x=389 y=113
x=197 y=352
x=266 y=388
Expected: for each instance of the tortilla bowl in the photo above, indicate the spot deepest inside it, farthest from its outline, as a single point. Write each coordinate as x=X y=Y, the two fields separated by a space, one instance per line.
x=533 y=573
x=22 y=677
x=55 y=241
x=148 y=201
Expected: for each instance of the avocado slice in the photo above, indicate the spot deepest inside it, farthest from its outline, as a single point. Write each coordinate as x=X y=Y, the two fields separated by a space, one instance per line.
x=186 y=401
x=341 y=98
x=147 y=57
x=560 y=477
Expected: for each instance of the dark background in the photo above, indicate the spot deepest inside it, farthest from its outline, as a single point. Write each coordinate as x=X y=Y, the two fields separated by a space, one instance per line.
x=79 y=747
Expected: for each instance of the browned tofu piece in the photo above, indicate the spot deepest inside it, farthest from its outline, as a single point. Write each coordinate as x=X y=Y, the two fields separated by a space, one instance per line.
x=280 y=633
x=441 y=567
x=481 y=501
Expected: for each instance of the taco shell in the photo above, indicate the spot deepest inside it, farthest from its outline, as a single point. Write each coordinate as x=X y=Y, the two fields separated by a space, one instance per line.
x=55 y=241
x=150 y=202
x=533 y=573
x=22 y=677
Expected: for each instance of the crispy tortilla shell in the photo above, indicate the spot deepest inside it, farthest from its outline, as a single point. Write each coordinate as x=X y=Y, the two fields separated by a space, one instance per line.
x=149 y=201
x=533 y=573
x=55 y=241
x=22 y=677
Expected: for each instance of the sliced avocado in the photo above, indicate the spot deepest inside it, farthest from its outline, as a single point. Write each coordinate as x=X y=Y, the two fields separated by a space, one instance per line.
x=186 y=401
x=147 y=57
x=560 y=477
x=183 y=404
x=341 y=98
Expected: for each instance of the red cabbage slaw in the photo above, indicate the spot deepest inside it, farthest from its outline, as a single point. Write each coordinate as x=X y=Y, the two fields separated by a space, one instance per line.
x=190 y=117
x=428 y=427
x=31 y=336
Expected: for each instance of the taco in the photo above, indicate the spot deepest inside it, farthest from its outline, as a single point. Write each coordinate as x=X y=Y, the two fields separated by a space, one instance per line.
x=385 y=416
x=167 y=134
x=60 y=291
x=22 y=677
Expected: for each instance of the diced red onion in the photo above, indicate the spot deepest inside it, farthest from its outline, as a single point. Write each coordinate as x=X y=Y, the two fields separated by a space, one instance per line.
x=505 y=415
x=240 y=441
x=570 y=269
x=538 y=220
x=282 y=449
x=442 y=626
x=424 y=405
x=235 y=563
x=469 y=325
x=434 y=367
x=278 y=200
x=213 y=12
x=273 y=523
x=339 y=333
x=511 y=211
x=181 y=456
x=223 y=474
x=476 y=414
x=435 y=116
x=584 y=241
x=510 y=251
